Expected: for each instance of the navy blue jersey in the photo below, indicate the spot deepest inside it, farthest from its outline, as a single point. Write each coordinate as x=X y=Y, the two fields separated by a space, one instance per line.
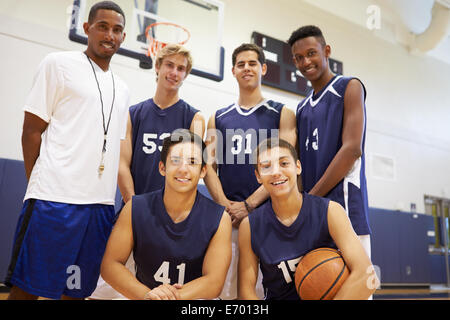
x=280 y=248
x=319 y=125
x=241 y=131
x=151 y=125
x=168 y=252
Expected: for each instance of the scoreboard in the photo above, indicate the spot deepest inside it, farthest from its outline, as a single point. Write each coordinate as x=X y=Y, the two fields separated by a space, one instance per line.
x=281 y=71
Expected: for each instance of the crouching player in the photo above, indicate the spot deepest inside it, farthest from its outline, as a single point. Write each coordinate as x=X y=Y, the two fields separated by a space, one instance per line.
x=290 y=225
x=181 y=240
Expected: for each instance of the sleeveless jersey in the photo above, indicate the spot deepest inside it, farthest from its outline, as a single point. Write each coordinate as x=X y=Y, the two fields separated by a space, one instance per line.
x=240 y=132
x=280 y=248
x=319 y=127
x=168 y=252
x=151 y=125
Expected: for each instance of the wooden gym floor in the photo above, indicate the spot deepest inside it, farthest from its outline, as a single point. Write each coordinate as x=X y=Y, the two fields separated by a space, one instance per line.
x=437 y=292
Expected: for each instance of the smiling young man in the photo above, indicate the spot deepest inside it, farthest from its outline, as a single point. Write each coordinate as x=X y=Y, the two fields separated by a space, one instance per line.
x=181 y=240
x=75 y=116
x=233 y=132
x=331 y=123
x=277 y=234
x=150 y=121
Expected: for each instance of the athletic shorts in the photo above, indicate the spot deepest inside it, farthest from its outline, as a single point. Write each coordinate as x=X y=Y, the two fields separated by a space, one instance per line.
x=230 y=290
x=58 y=248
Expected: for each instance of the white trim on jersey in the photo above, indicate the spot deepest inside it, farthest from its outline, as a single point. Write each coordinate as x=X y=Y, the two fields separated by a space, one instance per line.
x=253 y=109
x=314 y=103
x=333 y=91
x=225 y=112
x=329 y=88
x=304 y=102
x=353 y=177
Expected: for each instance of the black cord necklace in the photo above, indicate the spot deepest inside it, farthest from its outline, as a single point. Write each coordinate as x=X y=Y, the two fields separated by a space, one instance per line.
x=101 y=168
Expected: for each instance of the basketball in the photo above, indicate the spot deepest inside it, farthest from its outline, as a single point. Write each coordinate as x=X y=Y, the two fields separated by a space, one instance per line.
x=320 y=274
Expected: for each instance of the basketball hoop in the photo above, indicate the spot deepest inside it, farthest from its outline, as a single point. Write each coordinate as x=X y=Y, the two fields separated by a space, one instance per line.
x=154 y=45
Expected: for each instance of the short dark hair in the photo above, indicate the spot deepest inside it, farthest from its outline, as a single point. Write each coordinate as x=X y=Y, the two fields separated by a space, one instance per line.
x=179 y=136
x=271 y=143
x=105 y=5
x=249 y=47
x=305 y=32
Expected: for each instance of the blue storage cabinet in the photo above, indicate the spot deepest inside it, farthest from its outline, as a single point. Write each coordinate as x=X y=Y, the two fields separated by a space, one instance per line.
x=385 y=244
x=13 y=183
x=400 y=246
x=414 y=256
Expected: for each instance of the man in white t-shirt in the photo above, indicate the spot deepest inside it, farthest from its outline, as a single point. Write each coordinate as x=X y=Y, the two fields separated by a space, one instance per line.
x=75 y=116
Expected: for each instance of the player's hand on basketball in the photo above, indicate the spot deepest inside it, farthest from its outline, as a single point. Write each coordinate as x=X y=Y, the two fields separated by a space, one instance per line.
x=237 y=211
x=164 y=292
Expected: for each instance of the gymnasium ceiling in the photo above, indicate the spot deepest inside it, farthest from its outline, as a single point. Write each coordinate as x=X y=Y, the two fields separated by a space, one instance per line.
x=421 y=26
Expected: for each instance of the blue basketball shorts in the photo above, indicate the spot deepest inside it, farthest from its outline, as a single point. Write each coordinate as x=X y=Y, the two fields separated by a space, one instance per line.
x=58 y=248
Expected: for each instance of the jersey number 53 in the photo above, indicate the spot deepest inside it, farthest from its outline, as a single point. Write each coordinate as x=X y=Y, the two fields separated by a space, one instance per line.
x=149 y=142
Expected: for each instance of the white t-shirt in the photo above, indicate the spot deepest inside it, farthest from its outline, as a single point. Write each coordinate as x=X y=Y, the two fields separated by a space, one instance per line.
x=65 y=94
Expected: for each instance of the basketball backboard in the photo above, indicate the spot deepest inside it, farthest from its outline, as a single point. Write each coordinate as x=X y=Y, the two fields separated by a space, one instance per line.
x=202 y=18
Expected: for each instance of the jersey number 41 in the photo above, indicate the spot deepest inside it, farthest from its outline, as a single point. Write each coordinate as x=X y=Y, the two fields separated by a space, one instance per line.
x=162 y=274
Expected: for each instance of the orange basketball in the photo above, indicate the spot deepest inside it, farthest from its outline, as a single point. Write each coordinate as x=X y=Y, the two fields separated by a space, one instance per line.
x=320 y=274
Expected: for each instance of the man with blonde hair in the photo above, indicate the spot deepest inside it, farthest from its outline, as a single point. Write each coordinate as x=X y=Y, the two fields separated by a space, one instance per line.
x=149 y=122
x=172 y=49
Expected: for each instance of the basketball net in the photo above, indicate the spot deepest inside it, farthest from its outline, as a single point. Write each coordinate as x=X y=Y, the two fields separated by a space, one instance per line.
x=159 y=34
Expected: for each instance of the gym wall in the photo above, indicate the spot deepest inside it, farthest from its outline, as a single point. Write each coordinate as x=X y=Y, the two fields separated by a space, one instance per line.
x=408 y=141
